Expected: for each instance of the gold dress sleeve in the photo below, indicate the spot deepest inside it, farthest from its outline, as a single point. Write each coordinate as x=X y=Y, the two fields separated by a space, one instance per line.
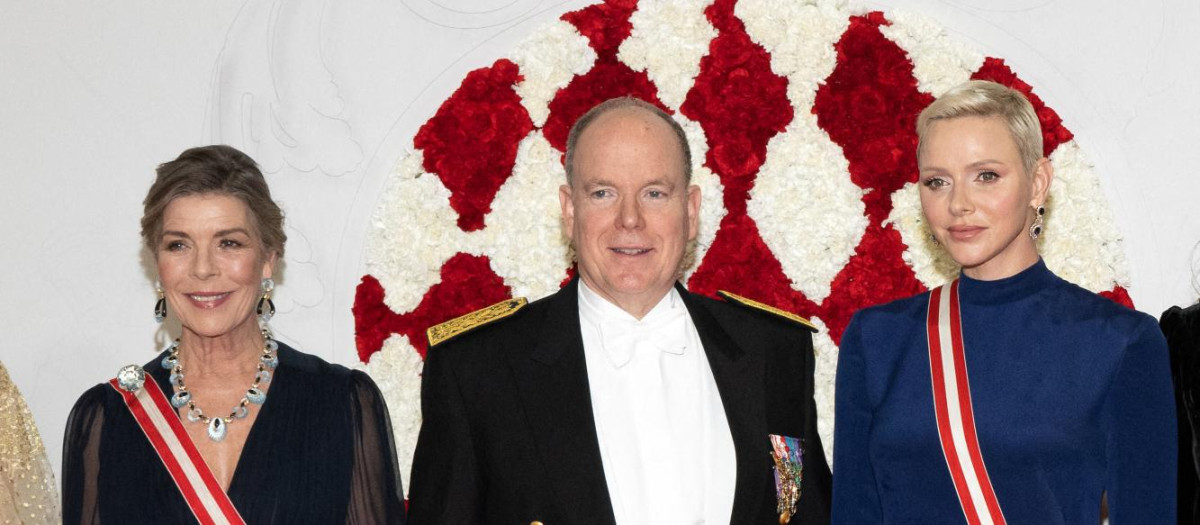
x=28 y=493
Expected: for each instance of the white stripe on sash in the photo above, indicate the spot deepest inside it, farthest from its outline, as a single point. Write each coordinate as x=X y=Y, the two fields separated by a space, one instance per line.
x=162 y=427
x=954 y=412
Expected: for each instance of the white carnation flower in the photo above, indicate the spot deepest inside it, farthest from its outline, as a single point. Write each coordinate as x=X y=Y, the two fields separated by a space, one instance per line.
x=668 y=40
x=396 y=370
x=548 y=59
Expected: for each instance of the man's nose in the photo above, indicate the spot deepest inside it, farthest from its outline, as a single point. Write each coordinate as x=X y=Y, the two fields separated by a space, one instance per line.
x=629 y=215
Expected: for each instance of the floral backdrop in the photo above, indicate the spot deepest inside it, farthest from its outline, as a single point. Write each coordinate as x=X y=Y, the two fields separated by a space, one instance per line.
x=800 y=116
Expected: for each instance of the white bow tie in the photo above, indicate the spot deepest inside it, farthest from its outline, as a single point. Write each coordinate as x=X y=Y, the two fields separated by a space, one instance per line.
x=621 y=337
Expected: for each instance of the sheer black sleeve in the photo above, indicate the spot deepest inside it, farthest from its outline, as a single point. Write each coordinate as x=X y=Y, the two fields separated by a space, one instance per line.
x=1182 y=329
x=81 y=458
x=375 y=492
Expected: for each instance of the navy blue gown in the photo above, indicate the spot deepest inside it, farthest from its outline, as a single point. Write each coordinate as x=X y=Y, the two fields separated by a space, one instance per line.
x=1072 y=397
x=320 y=451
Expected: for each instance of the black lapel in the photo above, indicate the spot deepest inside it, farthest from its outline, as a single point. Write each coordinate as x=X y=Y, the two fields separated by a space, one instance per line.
x=553 y=382
x=739 y=375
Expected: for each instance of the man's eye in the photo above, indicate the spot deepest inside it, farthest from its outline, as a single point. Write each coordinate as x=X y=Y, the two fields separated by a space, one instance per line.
x=656 y=194
x=600 y=194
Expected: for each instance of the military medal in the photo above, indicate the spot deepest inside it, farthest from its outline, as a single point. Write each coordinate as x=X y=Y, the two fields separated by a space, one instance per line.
x=788 y=453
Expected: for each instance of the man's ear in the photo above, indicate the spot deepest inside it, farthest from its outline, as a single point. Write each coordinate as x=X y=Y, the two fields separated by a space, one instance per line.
x=568 y=211
x=693 y=210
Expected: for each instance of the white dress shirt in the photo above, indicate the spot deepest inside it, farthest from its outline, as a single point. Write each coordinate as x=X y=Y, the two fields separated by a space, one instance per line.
x=664 y=440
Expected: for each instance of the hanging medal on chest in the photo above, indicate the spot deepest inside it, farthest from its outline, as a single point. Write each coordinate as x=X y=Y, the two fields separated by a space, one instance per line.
x=788 y=454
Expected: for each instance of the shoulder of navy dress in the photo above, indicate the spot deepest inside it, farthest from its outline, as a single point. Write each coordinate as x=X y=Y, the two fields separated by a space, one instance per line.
x=767 y=309
x=463 y=324
x=904 y=308
x=1086 y=304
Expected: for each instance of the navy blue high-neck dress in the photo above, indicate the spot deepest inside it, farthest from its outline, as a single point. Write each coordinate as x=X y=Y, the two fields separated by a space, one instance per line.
x=1072 y=399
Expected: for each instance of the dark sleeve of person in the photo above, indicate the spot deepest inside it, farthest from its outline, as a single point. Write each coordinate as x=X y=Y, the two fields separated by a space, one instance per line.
x=1183 y=346
x=445 y=485
x=376 y=495
x=81 y=458
x=817 y=484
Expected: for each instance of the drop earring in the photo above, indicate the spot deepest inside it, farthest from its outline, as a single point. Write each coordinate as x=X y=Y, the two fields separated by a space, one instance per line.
x=266 y=307
x=160 y=307
x=1035 y=230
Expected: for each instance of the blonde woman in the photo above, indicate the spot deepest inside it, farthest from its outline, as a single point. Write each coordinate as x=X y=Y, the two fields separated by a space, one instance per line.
x=1008 y=395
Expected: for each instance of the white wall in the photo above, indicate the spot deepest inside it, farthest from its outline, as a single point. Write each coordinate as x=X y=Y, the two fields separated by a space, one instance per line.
x=327 y=96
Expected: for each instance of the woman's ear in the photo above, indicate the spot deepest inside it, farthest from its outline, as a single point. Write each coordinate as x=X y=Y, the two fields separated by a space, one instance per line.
x=1043 y=175
x=268 y=270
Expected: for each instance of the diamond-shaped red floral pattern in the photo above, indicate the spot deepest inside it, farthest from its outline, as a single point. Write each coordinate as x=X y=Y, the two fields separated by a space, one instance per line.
x=471 y=143
x=868 y=106
x=741 y=104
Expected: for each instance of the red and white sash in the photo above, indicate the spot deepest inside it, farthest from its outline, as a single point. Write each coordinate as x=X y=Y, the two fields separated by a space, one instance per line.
x=953 y=410
x=161 y=425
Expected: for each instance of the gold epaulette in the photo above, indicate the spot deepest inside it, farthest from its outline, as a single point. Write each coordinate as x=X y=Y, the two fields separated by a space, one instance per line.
x=460 y=325
x=744 y=301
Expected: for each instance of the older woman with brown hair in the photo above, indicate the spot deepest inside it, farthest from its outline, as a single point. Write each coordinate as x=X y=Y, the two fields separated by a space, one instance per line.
x=226 y=425
x=1007 y=395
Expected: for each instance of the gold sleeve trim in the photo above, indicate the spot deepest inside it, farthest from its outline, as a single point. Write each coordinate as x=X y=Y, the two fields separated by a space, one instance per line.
x=745 y=301
x=459 y=325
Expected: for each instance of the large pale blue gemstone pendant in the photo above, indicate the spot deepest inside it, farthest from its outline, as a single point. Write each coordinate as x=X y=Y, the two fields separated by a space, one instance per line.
x=180 y=398
x=256 y=396
x=169 y=361
x=270 y=361
x=216 y=429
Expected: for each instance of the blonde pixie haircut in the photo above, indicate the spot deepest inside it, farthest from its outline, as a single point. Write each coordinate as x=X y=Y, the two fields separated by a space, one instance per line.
x=982 y=98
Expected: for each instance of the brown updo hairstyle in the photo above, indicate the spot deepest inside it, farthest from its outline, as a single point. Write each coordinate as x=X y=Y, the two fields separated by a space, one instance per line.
x=214 y=170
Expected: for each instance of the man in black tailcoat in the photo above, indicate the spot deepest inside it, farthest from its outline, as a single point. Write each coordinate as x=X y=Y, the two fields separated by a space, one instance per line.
x=623 y=398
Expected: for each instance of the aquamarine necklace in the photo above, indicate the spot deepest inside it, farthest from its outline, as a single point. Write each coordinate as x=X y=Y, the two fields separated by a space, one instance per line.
x=253 y=396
